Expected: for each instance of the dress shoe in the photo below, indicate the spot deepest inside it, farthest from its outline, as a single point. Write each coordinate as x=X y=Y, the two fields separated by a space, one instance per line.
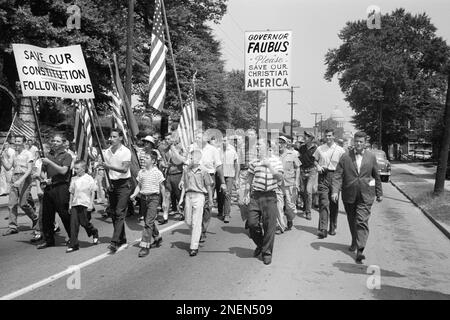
x=143 y=252
x=36 y=238
x=202 y=238
x=161 y=222
x=322 y=234
x=359 y=256
x=45 y=245
x=267 y=259
x=157 y=243
x=72 y=249
x=112 y=249
x=257 y=252
x=308 y=216
x=332 y=232
x=352 y=248
x=289 y=225
x=226 y=219
x=10 y=231
x=181 y=218
x=193 y=252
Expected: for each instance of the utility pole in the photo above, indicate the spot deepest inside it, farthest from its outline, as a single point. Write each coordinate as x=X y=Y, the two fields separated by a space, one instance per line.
x=315 y=121
x=129 y=63
x=259 y=112
x=292 y=109
x=321 y=126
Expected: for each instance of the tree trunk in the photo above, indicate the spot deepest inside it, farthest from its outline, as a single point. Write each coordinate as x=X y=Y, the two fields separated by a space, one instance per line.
x=443 y=154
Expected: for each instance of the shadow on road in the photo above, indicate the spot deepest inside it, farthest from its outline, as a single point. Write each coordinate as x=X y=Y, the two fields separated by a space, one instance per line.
x=332 y=246
x=398 y=293
x=242 y=252
x=181 y=245
x=234 y=230
x=362 y=269
x=311 y=230
x=182 y=231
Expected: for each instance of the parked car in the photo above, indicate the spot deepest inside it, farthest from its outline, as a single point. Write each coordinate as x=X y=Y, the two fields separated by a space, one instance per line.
x=421 y=154
x=384 y=166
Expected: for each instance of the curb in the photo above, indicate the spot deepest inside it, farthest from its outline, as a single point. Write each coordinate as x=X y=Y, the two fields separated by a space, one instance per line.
x=429 y=216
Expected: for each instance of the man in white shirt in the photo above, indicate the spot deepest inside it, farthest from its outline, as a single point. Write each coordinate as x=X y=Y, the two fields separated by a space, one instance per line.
x=327 y=157
x=230 y=163
x=22 y=164
x=117 y=162
x=212 y=162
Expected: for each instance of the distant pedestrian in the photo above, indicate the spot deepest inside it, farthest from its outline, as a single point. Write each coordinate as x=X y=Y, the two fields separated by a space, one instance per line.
x=82 y=194
x=358 y=178
x=197 y=182
x=327 y=157
x=149 y=188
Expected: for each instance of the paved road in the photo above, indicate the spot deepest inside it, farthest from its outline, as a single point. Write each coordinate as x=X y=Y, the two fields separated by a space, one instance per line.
x=413 y=257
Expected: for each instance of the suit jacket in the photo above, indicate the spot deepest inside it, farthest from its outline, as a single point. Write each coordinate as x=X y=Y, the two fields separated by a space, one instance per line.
x=347 y=179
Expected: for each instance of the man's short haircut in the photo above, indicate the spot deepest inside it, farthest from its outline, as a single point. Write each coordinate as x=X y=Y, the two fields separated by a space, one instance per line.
x=360 y=134
x=63 y=137
x=22 y=137
x=81 y=163
x=329 y=130
x=119 y=132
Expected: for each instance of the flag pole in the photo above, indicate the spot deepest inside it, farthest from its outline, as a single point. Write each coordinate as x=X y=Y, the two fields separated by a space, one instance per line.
x=98 y=139
x=96 y=119
x=38 y=127
x=171 y=53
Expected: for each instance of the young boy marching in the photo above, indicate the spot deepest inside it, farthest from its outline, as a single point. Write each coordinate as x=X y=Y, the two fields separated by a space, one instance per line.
x=82 y=193
x=196 y=183
x=150 y=186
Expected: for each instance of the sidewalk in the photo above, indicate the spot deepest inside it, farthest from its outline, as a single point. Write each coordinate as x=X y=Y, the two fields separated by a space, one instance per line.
x=416 y=182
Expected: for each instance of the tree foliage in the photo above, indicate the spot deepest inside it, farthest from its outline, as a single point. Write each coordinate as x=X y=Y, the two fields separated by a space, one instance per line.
x=397 y=68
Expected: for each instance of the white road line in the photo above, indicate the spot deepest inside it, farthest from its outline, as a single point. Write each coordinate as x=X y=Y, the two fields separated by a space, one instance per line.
x=70 y=270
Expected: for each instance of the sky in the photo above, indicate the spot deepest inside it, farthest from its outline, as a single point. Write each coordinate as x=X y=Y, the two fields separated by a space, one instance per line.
x=315 y=26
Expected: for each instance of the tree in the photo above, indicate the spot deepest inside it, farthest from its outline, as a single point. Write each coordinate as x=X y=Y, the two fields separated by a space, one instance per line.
x=332 y=124
x=242 y=105
x=393 y=71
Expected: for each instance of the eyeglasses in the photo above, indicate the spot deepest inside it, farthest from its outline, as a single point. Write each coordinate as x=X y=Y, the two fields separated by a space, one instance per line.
x=58 y=141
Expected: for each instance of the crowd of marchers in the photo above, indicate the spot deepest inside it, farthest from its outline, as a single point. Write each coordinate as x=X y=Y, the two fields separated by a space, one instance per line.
x=273 y=181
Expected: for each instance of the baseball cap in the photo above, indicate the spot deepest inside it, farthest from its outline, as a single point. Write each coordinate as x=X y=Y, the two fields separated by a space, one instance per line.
x=149 y=139
x=286 y=140
x=308 y=134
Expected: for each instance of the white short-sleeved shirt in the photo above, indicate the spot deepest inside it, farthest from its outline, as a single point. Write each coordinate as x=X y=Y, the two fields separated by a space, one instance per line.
x=228 y=157
x=81 y=188
x=328 y=157
x=150 y=180
x=21 y=161
x=210 y=158
x=123 y=154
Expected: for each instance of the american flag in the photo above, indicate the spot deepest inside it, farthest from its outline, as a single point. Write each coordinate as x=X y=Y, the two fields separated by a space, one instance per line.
x=157 y=61
x=82 y=130
x=188 y=122
x=20 y=128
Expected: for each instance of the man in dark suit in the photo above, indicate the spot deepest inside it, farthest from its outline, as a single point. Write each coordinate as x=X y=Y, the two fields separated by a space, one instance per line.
x=358 y=178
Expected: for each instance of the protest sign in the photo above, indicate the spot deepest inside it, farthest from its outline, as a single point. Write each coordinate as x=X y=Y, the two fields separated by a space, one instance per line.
x=53 y=72
x=267 y=60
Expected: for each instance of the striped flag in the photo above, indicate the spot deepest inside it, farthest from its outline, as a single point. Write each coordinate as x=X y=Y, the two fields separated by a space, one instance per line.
x=188 y=122
x=117 y=113
x=157 y=61
x=82 y=131
x=20 y=128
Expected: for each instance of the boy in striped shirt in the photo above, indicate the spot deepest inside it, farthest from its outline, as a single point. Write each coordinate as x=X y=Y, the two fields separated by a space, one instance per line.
x=150 y=185
x=264 y=175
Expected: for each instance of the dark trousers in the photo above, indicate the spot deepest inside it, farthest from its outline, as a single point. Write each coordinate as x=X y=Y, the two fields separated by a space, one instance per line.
x=207 y=211
x=358 y=214
x=150 y=229
x=328 y=209
x=224 y=198
x=118 y=201
x=263 y=210
x=79 y=217
x=173 y=180
x=55 y=199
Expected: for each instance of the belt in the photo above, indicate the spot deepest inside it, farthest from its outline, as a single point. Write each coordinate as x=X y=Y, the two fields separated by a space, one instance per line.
x=150 y=194
x=54 y=185
x=261 y=193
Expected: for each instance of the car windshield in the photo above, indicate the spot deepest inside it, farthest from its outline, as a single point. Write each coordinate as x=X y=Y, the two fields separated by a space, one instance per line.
x=380 y=155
